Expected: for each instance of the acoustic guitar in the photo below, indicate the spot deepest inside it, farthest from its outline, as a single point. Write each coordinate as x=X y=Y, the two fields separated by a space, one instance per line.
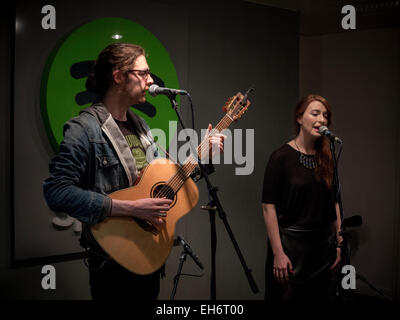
x=133 y=243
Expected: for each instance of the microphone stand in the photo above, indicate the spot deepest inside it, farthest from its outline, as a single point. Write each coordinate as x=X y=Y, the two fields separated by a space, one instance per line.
x=336 y=183
x=215 y=205
x=182 y=260
x=346 y=249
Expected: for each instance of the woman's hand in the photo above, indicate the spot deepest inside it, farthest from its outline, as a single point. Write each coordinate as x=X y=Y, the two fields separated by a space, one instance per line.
x=335 y=265
x=282 y=268
x=339 y=241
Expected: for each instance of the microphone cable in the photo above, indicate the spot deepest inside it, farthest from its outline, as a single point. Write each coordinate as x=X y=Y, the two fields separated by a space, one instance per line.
x=191 y=107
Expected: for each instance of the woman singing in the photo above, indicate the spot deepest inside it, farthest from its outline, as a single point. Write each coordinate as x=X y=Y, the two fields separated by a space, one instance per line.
x=301 y=215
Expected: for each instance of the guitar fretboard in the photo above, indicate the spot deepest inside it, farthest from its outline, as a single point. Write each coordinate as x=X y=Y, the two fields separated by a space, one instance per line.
x=185 y=170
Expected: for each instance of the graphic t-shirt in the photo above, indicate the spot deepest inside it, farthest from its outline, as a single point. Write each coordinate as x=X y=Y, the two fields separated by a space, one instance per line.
x=138 y=152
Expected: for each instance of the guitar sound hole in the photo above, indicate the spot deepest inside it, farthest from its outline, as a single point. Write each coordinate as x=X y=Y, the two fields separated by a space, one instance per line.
x=162 y=190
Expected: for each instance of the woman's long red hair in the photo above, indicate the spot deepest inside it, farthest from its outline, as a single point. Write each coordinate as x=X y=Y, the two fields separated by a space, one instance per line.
x=323 y=157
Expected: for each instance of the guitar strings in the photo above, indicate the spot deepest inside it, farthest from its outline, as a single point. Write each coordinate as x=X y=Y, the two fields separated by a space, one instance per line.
x=176 y=181
x=184 y=171
x=174 y=184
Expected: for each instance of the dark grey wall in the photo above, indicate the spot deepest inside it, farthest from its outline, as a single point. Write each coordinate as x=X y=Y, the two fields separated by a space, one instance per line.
x=225 y=48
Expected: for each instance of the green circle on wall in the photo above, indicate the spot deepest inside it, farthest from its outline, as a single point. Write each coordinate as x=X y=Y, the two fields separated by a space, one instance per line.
x=63 y=92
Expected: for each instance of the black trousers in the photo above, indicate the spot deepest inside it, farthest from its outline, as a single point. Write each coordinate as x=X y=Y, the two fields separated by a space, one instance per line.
x=110 y=281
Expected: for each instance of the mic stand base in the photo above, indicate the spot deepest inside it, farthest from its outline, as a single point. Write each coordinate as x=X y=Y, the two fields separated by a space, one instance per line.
x=216 y=204
x=363 y=279
x=213 y=231
x=182 y=260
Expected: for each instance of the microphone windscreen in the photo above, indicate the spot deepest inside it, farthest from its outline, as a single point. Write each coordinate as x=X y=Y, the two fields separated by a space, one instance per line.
x=322 y=129
x=152 y=89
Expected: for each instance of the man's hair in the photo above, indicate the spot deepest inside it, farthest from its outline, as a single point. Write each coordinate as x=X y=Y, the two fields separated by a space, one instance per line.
x=116 y=56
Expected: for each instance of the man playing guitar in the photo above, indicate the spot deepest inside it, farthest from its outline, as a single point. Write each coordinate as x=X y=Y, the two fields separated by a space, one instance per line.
x=103 y=151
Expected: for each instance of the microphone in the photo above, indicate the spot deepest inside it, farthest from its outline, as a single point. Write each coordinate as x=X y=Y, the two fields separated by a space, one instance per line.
x=323 y=130
x=155 y=90
x=187 y=249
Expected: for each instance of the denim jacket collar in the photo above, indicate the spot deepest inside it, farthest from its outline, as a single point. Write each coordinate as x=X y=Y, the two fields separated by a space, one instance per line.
x=117 y=139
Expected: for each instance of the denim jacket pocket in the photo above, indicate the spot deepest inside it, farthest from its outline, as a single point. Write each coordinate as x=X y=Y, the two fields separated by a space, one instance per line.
x=105 y=160
x=109 y=173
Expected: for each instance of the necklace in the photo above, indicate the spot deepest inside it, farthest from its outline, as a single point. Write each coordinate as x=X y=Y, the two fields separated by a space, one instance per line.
x=309 y=163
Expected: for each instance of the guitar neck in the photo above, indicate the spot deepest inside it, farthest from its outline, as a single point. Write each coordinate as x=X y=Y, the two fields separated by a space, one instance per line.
x=191 y=163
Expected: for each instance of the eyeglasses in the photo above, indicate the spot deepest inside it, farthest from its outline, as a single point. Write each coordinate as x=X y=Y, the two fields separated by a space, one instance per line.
x=141 y=73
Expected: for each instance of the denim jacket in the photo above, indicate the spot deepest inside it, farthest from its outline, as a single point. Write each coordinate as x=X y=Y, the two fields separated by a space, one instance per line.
x=94 y=160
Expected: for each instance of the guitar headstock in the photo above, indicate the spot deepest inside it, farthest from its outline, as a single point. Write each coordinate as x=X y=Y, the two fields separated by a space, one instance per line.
x=236 y=106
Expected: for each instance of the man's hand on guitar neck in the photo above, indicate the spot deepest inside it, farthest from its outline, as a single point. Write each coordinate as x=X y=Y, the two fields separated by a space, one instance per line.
x=215 y=145
x=152 y=210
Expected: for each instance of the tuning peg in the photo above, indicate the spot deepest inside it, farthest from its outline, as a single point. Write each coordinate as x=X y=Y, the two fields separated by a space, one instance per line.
x=243 y=111
x=239 y=115
x=227 y=104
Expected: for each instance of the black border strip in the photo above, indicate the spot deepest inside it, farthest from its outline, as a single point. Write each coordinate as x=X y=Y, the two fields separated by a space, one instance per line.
x=12 y=102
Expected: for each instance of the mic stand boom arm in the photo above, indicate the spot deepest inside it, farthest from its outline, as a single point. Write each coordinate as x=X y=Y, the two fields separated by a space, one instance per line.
x=215 y=205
